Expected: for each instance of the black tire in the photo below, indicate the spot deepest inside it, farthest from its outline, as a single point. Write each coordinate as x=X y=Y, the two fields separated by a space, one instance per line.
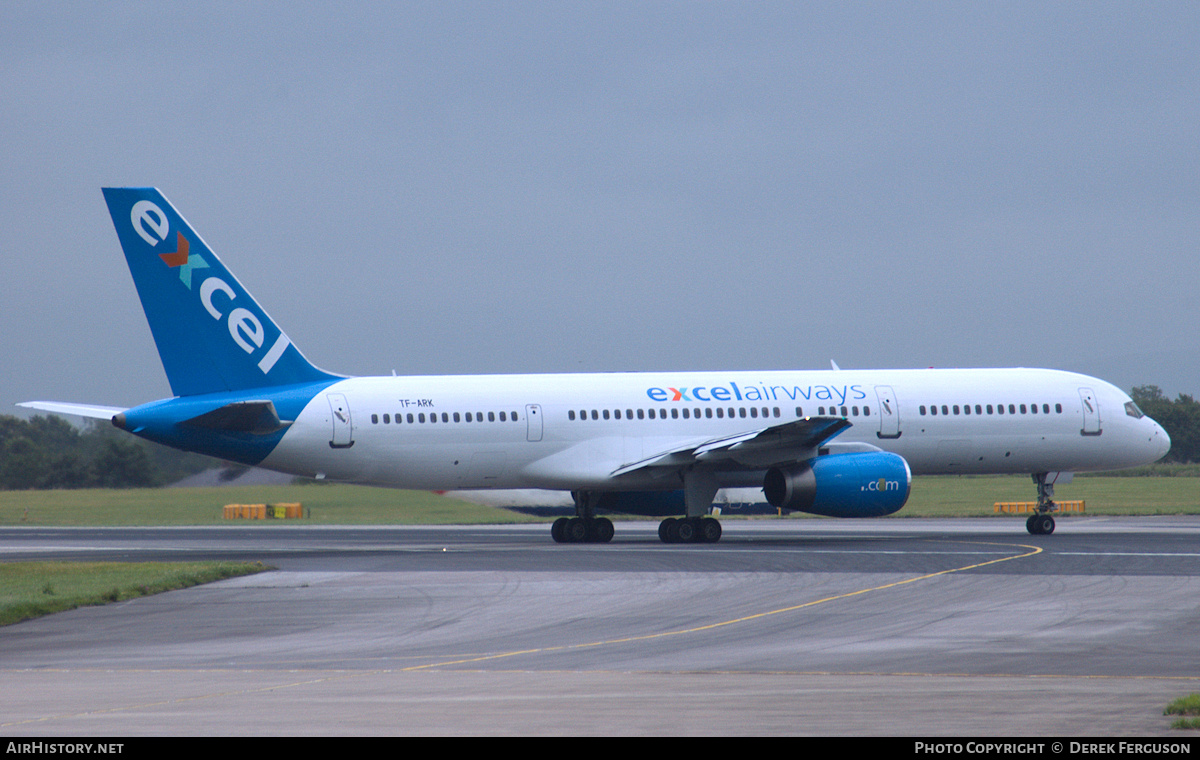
x=601 y=531
x=710 y=530
x=687 y=531
x=558 y=531
x=1040 y=525
x=577 y=530
x=664 y=530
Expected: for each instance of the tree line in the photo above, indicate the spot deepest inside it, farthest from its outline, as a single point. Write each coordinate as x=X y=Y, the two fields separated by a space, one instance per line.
x=49 y=452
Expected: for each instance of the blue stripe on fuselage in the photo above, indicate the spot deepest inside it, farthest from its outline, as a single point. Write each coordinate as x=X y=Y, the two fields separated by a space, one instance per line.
x=160 y=421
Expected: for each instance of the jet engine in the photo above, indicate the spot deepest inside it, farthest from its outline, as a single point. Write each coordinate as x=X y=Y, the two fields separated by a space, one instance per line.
x=861 y=484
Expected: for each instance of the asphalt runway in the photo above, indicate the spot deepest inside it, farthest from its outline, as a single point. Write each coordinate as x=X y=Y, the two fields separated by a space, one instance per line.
x=885 y=627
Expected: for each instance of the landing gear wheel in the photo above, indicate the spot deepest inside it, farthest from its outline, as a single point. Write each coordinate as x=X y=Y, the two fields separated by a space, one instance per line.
x=710 y=530
x=1040 y=525
x=600 y=531
x=689 y=530
x=577 y=530
x=558 y=531
x=582 y=530
x=665 y=529
x=686 y=531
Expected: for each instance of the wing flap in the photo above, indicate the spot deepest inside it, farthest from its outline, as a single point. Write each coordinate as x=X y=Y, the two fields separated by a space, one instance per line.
x=763 y=447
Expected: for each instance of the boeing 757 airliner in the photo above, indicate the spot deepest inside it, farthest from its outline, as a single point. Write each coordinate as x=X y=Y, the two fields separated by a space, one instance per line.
x=842 y=443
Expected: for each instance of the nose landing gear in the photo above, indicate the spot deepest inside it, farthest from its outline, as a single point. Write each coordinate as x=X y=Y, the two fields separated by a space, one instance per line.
x=1041 y=523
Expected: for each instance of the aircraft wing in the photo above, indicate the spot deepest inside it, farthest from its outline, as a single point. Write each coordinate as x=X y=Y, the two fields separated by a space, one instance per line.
x=80 y=410
x=754 y=449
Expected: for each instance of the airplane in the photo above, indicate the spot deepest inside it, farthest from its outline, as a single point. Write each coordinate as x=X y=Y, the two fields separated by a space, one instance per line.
x=838 y=442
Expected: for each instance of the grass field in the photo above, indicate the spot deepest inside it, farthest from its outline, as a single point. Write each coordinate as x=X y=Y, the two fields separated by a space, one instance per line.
x=33 y=589
x=359 y=505
x=323 y=504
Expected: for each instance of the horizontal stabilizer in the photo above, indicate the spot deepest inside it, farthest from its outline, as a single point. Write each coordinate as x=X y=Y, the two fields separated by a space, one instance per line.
x=81 y=410
x=255 y=417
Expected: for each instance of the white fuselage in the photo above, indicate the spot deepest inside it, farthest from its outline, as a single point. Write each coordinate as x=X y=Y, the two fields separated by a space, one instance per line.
x=573 y=431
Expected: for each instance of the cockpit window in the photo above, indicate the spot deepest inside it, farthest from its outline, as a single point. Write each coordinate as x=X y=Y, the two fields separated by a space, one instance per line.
x=1132 y=410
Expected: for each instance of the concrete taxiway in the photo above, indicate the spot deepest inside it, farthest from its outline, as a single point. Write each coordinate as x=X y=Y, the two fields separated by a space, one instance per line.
x=893 y=627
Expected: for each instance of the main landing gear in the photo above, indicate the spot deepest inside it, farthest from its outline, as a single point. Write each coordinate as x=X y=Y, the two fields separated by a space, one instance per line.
x=582 y=530
x=699 y=490
x=585 y=528
x=1041 y=523
x=690 y=530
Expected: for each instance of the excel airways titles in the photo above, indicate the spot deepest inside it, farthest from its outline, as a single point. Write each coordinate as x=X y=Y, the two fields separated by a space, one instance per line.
x=732 y=392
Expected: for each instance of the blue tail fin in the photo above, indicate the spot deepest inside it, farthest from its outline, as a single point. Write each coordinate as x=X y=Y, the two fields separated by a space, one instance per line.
x=211 y=334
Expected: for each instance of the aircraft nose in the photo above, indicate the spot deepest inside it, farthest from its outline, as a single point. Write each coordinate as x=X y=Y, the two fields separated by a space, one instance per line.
x=1161 y=442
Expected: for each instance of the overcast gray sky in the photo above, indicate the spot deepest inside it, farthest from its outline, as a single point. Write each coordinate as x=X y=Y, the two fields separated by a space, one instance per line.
x=547 y=187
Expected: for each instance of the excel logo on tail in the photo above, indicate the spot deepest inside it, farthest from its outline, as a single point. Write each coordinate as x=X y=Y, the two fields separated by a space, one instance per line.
x=245 y=328
x=150 y=223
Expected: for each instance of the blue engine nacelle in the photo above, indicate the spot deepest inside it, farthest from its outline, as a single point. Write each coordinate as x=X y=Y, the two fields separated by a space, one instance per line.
x=864 y=484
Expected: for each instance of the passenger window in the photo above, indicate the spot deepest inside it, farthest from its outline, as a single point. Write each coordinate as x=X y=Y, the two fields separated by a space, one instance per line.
x=720 y=412
x=374 y=419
